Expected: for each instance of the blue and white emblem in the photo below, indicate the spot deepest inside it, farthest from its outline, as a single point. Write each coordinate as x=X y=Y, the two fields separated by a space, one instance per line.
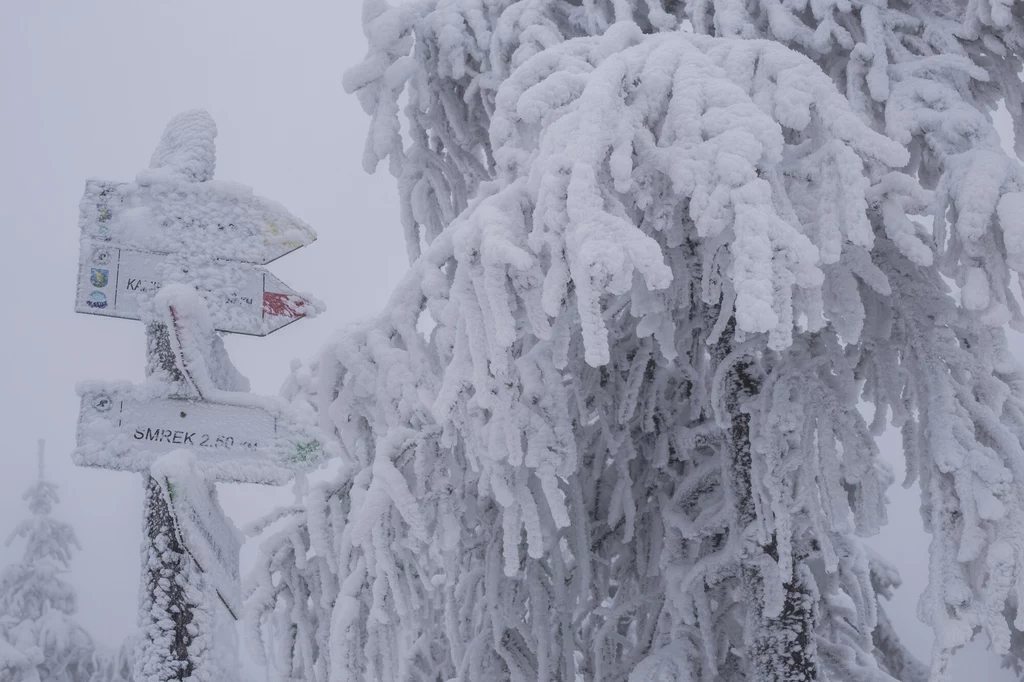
x=99 y=277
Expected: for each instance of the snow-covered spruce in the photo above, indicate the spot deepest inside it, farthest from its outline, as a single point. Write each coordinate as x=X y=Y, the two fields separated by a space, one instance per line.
x=658 y=271
x=40 y=641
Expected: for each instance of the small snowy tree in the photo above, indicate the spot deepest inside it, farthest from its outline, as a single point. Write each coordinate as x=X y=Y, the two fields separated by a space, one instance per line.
x=664 y=250
x=39 y=639
x=115 y=665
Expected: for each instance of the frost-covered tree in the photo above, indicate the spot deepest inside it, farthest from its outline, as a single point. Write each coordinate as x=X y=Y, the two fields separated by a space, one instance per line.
x=40 y=641
x=661 y=252
x=115 y=665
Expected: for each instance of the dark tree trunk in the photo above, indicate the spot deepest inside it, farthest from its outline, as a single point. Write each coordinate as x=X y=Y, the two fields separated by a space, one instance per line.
x=781 y=648
x=162 y=654
x=163 y=651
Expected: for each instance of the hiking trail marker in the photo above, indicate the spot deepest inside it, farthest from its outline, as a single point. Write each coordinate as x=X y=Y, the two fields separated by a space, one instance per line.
x=183 y=253
x=115 y=281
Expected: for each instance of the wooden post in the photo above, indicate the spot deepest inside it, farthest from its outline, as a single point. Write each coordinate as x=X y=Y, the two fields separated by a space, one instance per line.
x=177 y=606
x=163 y=652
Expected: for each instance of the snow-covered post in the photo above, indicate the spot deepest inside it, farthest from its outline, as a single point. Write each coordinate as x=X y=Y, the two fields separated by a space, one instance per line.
x=167 y=594
x=171 y=592
x=172 y=603
x=183 y=254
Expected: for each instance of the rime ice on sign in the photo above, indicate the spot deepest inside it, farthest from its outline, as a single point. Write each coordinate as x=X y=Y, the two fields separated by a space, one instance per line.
x=236 y=436
x=146 y=249
x=175 y=223
x=258 y=440
x=166 y=214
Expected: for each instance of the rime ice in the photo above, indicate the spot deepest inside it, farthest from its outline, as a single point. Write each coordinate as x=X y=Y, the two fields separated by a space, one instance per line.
x=663 y=252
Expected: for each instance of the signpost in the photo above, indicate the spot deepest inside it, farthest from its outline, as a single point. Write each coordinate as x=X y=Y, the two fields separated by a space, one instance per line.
x=164 y=212
x=233 y=443
x=183 y=253
x=116 y=281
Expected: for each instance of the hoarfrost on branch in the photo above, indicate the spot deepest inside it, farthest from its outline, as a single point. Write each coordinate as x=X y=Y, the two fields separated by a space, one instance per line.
x=660 y=252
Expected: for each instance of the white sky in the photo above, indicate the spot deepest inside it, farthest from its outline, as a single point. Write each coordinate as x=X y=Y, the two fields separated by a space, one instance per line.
x=85 y=91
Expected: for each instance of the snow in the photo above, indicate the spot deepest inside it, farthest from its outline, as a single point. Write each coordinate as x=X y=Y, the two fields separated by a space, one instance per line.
x=163 y=213
x=188 y=147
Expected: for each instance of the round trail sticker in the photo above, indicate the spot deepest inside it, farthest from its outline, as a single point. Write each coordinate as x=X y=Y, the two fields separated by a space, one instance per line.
x=97 y=299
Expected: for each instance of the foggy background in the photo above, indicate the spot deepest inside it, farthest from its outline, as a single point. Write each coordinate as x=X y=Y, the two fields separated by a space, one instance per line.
x=85 y=91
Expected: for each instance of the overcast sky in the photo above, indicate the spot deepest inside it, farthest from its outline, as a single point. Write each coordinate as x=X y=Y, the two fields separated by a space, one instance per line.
x=85 y=91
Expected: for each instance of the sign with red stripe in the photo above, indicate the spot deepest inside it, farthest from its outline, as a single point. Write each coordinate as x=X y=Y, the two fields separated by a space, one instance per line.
x=116 y=281
x=276 y=304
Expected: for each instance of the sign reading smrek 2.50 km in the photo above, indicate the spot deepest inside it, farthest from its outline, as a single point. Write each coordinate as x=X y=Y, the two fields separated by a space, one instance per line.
x=253 y=440
x=213 y=235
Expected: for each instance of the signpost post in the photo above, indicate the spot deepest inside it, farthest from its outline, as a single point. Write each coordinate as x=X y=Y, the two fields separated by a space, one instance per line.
x=183 y=253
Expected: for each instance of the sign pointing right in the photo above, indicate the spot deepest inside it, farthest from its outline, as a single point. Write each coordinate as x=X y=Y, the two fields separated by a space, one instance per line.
x=162 y=213
x=242 y=298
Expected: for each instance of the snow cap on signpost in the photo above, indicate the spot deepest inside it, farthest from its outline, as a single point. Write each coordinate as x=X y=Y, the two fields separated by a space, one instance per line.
x=188 y=146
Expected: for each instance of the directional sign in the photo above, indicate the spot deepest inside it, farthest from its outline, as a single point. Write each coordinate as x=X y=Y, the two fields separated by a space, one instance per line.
x=207 y=533
x=163 y=213
x=253 y=440
x=242 y=298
